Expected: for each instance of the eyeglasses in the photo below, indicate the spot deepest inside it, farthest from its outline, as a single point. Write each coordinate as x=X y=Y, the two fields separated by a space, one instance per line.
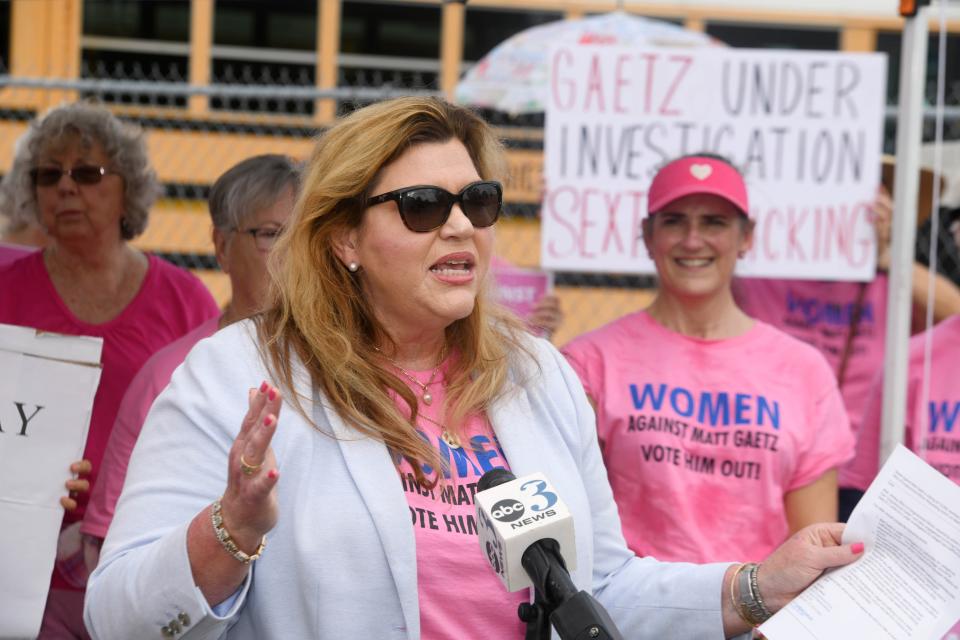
x=425 y=208
x=81 y=174
x=263 y=237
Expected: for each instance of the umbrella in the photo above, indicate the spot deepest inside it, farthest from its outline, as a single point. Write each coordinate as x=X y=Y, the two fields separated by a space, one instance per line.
x=513 y=76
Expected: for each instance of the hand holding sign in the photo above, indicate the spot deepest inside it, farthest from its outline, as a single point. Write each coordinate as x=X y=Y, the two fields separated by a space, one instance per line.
x=547 y=314
x=528 y=294
x=882 y=219
x=76 y=484
x=46 y=395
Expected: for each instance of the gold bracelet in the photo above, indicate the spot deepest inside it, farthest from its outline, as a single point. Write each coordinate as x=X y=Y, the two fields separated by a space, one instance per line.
x=733 y=599
x=227 y=542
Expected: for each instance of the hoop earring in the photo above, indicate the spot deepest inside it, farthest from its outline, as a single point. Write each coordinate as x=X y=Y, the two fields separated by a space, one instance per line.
x=352 y=267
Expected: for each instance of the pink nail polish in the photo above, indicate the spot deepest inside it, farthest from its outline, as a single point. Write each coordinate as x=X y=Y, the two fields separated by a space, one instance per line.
x=272 y=474
x=268 y=421
x=856 y=547
x=264 y=386
x=273 y=394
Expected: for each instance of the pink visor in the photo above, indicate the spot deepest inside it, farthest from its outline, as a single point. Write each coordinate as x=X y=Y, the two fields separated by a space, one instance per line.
x=695 y=175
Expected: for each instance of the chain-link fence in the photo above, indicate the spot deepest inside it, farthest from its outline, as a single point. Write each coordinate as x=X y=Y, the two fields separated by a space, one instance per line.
x=258 y=107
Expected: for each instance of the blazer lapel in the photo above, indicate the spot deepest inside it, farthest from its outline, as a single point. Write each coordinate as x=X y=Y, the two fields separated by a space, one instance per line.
x=512 y=420
x=375 y=477
x=530 y=446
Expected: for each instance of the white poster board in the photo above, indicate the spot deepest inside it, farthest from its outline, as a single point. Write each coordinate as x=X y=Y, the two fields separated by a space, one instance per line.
x=805 y=128
x=46 y=395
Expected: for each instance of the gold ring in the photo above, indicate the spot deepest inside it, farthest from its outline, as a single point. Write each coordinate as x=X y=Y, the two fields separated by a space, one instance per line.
x=247 y=468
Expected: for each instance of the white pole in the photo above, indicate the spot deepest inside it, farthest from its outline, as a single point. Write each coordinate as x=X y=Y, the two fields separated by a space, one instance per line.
x=913 y=67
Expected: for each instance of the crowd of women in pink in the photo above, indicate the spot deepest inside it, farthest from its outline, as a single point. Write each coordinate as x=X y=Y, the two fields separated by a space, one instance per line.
x=716 y=437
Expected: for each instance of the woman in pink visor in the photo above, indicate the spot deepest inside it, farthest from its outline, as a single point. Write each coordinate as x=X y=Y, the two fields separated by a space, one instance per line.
x=721 y=434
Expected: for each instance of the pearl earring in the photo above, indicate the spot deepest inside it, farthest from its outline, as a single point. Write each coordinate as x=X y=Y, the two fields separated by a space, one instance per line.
x=353 y=266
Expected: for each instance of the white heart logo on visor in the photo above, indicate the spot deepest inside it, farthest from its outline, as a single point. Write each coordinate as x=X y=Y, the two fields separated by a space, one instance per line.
x=701 y=171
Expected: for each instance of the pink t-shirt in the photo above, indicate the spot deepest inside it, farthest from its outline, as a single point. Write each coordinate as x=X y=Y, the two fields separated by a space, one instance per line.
x=932 y=429
x=819 y=313
x=450 y=566
x=10 y=252
x=170 y=303
x=152 y=378
x=702 y=438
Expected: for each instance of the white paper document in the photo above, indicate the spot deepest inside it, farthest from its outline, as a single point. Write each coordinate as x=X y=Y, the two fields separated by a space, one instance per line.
x=907 y=584
x=47 y=386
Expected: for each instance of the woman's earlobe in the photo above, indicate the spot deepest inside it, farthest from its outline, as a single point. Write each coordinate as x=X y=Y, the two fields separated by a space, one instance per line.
x=345 y=248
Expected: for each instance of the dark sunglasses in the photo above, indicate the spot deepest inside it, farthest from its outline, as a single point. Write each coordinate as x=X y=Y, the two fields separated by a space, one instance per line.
x=81 y=174
x=425 y=208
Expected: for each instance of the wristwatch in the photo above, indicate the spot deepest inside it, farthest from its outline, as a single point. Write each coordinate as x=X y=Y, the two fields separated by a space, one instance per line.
x=751 y=605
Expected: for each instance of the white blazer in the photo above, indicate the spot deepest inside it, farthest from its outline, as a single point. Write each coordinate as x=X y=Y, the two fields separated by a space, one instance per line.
x=341 y=561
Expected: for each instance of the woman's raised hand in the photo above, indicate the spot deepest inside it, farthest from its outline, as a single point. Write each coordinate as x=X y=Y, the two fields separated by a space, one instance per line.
x=249 y=504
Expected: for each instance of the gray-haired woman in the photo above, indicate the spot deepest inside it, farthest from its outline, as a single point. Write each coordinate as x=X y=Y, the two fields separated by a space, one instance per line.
x=89 y=184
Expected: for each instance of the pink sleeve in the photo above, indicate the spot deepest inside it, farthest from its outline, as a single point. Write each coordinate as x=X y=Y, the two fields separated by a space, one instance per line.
x=133 y=410
x=586 y=359
x=587 y=362
x=866 y=461
x=828 y=441
x=188 y=300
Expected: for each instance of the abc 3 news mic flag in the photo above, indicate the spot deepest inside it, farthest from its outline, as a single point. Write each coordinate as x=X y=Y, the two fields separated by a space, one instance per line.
x=527 y=534
x=514 y=515
x=46 y=398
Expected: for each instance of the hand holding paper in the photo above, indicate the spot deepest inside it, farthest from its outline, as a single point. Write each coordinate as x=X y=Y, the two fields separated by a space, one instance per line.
x=908 y=583
x=802 y=559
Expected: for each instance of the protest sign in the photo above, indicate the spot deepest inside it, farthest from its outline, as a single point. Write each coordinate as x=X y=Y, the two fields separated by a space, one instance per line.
x=46 y=396
x=519 y=289
x=805 y=129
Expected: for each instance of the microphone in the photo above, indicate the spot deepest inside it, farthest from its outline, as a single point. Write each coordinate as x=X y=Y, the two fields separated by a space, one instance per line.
x=527 y=535
x=513 y=515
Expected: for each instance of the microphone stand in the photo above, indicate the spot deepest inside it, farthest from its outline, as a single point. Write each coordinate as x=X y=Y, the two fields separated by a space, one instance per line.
x=576 y=615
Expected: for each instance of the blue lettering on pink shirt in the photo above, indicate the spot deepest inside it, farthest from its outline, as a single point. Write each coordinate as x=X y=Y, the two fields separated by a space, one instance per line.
x=460 y=459
x=942 y=412
x=486 y=451
x=816 y=311
x=687 y=401
x=483 y=448
x=711 y=408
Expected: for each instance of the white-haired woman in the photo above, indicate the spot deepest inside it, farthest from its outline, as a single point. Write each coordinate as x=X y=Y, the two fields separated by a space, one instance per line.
x=89 y=184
